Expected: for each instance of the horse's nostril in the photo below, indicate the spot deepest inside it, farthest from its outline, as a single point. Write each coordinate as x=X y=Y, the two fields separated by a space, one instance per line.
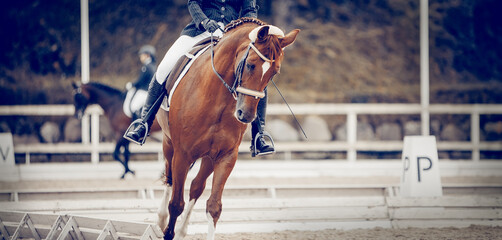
x=240 y=114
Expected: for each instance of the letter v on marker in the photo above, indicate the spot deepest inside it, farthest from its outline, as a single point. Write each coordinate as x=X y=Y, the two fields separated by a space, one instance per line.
x=4 y=156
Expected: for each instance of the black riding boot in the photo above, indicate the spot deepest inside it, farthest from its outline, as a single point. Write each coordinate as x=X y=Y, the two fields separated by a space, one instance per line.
x=258 y=144
x=138 y=130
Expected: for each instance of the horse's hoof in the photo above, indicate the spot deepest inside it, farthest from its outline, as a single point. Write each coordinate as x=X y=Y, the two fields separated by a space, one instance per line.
x=168 y=237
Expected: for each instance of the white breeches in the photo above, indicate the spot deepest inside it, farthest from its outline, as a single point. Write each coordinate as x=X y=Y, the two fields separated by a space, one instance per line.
x=137 y=101
x=179 y=48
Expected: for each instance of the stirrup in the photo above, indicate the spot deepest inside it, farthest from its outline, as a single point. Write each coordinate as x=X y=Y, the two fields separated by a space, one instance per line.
x=135 y=123
x=254 y=152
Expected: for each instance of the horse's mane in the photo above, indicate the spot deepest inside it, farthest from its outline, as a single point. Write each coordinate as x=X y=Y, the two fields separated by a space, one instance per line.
x=234 y=23
x=105 y=88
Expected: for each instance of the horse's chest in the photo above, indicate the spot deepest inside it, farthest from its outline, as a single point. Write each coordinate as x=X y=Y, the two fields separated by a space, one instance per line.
x=214 y=142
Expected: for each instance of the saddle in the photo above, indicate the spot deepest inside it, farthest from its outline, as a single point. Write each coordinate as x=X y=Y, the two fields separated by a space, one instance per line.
x=182 y=66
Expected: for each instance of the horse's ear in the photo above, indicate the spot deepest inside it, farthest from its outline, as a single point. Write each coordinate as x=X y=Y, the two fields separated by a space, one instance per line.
x=289 y=38
x=263 y=33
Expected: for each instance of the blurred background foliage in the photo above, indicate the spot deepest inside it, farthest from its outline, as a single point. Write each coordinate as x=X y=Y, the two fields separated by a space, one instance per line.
x=364 y=51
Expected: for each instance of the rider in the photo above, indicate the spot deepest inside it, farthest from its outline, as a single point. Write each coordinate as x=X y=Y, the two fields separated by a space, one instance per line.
x=137 y=91
x=208 y=16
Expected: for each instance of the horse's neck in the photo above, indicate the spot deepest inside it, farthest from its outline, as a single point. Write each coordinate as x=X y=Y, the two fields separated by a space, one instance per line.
x=105 y=100
x=224 y=61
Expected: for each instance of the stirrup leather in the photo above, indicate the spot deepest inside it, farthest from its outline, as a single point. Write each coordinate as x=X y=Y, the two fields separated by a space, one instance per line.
x=257 y=136
x=134 y=124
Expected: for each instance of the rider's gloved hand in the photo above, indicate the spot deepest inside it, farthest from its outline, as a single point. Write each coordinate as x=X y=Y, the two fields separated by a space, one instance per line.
x=210 y=25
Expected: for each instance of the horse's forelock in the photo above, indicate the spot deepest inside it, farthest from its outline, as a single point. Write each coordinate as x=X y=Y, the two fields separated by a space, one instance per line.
x=275 y=48
x=271 y=41
x=272 y=46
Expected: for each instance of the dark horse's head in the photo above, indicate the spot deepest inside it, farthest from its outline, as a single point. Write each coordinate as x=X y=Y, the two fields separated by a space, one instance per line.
x=80 y=100
x=259 y=59
x=94 y=93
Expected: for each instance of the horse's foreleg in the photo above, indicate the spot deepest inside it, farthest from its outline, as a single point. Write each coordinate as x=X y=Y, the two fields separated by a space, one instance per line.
x=116 y=155
x=213 y=209
x=196 y=190
x=181 y=229
x=162 y=212
x=180 y=166
x=127 y=154
x=116 y=152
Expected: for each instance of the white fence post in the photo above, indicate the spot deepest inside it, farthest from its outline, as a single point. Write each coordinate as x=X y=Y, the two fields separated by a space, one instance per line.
x=475 y=135
x=84 y=29
x=351 y=136
x=86 y=138
x=95 y=137
x=424 y=66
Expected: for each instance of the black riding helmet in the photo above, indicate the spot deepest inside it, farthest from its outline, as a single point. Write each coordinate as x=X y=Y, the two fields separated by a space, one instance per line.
x=148 y=49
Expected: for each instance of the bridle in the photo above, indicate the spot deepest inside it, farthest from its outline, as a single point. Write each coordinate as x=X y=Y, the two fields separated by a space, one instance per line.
x=80 y=101
x=237 y=86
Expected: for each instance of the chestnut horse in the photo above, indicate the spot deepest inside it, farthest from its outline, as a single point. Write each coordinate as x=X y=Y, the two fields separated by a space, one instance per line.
x=110 y=100
x=208 y=117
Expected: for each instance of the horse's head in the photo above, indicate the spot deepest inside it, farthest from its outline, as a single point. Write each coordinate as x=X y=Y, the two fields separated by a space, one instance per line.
x=80 y=100
x=258 y=61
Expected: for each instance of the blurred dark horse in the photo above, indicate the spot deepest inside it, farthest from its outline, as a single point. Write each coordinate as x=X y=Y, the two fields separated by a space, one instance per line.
x=208 y=116
x=111 y=101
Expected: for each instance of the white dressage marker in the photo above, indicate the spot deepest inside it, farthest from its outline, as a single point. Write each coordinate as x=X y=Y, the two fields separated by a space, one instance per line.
x=420 y=176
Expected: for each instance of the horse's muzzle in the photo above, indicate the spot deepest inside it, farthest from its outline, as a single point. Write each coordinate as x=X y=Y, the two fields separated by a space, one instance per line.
x=243 y=117
x=79 y=115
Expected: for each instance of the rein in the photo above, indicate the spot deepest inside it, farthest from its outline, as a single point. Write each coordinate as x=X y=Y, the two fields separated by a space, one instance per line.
x=230 y=89
x=237 y=88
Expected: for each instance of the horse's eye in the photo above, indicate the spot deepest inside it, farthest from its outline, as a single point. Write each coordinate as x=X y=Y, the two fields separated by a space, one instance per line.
x=250 y=66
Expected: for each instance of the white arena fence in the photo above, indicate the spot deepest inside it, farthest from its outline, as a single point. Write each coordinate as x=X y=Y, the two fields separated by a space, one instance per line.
x=19 y=225
x=247 y=209
x=90 y=129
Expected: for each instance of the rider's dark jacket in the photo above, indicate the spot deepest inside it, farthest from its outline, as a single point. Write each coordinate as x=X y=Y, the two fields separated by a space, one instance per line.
x=219 y=10
x=146 y=75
